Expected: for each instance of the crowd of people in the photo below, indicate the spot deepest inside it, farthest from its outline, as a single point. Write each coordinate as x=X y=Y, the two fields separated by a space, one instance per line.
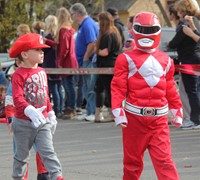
x=72 y=49
x=42 y=98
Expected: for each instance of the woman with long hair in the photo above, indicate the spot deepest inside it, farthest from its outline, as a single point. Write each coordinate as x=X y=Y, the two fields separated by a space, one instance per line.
x=66 y=58
x=108 y=46
x=54 y=80
x=188 y=53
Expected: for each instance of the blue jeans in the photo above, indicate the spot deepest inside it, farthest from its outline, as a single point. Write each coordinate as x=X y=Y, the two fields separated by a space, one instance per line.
x=79 y=85
x=192 y=88
x=55 y=88
x=69 y=86
x=88 y=88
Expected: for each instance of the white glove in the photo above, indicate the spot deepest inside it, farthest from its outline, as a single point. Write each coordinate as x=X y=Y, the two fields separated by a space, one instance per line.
x=52 y=119
x=35 y=114
x=176 y=119
x=120 y=117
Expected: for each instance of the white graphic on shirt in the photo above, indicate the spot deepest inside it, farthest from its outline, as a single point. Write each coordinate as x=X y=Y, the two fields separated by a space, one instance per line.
x=35 y=89
x=131 y=65
x=151 y=70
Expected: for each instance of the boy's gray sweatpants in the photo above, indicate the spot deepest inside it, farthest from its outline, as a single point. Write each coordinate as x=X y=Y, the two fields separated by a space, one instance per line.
x=25 y=134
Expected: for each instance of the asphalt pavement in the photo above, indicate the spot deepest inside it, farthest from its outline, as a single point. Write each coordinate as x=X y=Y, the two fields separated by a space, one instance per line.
x=93 y=151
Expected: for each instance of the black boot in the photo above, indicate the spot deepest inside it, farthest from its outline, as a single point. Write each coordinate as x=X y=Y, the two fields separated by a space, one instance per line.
x=43 y=176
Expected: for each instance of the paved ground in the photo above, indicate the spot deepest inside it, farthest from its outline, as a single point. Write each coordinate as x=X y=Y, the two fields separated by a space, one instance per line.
x=92 y=151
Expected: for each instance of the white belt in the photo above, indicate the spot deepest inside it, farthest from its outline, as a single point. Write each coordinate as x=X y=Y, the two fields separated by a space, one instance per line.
x=146 y=111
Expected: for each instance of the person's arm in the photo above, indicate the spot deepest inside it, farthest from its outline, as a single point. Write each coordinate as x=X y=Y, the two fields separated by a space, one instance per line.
x=104 y=46
x=9 y=107
x=63 y=47
x=90 y=35
x=190 y=22
x=119 y=90
x=188 y=31
x=103 y=52
x=174 y=102
x=50 y=42
x=90 y=50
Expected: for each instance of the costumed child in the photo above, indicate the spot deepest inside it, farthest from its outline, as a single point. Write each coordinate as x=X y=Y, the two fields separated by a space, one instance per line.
x=34 y=121
x=9 y=113
x=144 y=77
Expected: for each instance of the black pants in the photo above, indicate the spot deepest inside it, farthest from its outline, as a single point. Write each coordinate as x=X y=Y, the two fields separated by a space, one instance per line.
x=102 y=89
x=192 y=88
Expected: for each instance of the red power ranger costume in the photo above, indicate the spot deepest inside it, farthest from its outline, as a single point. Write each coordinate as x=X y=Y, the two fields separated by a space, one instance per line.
x=144 y=78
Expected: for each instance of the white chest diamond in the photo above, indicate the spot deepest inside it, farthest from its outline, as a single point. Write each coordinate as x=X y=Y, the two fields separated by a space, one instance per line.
x=151 y=71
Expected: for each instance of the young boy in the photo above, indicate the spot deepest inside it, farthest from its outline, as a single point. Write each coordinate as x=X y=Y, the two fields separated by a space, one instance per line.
x=34 y=120
x=144 y=77
x=9 y=112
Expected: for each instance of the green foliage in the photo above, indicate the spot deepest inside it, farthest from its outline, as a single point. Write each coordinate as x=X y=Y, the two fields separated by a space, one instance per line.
x=12 y=14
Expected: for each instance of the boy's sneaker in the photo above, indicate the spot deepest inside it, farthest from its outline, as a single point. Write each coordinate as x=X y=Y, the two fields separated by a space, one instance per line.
x=187 y=124
x=43 y=176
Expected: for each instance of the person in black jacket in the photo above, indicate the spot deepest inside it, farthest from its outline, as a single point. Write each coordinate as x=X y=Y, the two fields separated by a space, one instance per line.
x=188 y=53
x=108 y=46
x=117 y=22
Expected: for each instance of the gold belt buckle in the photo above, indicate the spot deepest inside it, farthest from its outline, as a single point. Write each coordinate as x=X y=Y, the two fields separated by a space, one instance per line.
x=147 y=111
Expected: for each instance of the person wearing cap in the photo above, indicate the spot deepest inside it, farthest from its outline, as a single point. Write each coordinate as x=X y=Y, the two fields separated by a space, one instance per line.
x=118 y=23
x=42 y=173
x=34 y=120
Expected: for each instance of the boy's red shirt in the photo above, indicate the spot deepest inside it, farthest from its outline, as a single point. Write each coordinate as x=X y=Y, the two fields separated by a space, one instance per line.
x=29 y=87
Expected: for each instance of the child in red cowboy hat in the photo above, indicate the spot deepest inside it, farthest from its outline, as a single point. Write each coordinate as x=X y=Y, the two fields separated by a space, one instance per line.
x=42 y=173
x=34 y=121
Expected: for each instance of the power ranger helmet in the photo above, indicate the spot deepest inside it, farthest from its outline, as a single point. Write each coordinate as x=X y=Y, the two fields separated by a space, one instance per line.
x=147 y=30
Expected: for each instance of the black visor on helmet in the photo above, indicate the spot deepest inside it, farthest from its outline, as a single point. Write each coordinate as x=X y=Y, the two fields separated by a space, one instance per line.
x=146 y=29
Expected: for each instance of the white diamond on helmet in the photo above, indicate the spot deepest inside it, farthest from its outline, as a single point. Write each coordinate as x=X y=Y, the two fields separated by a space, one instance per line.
x=151 y=71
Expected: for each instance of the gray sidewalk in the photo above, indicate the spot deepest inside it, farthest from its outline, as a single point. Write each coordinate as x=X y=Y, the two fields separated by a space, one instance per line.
x=93 y=151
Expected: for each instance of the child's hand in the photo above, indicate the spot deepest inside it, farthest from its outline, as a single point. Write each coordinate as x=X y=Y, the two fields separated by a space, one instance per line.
x=177 y=121
x=122 y=125
x=35 y=114
x=177 y=117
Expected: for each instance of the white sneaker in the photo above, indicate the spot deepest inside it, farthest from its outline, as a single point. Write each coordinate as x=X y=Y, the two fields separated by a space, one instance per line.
x=81 y=117
x=187 y=124
x=196 y=127
x=79 y=111
x=90 y=117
